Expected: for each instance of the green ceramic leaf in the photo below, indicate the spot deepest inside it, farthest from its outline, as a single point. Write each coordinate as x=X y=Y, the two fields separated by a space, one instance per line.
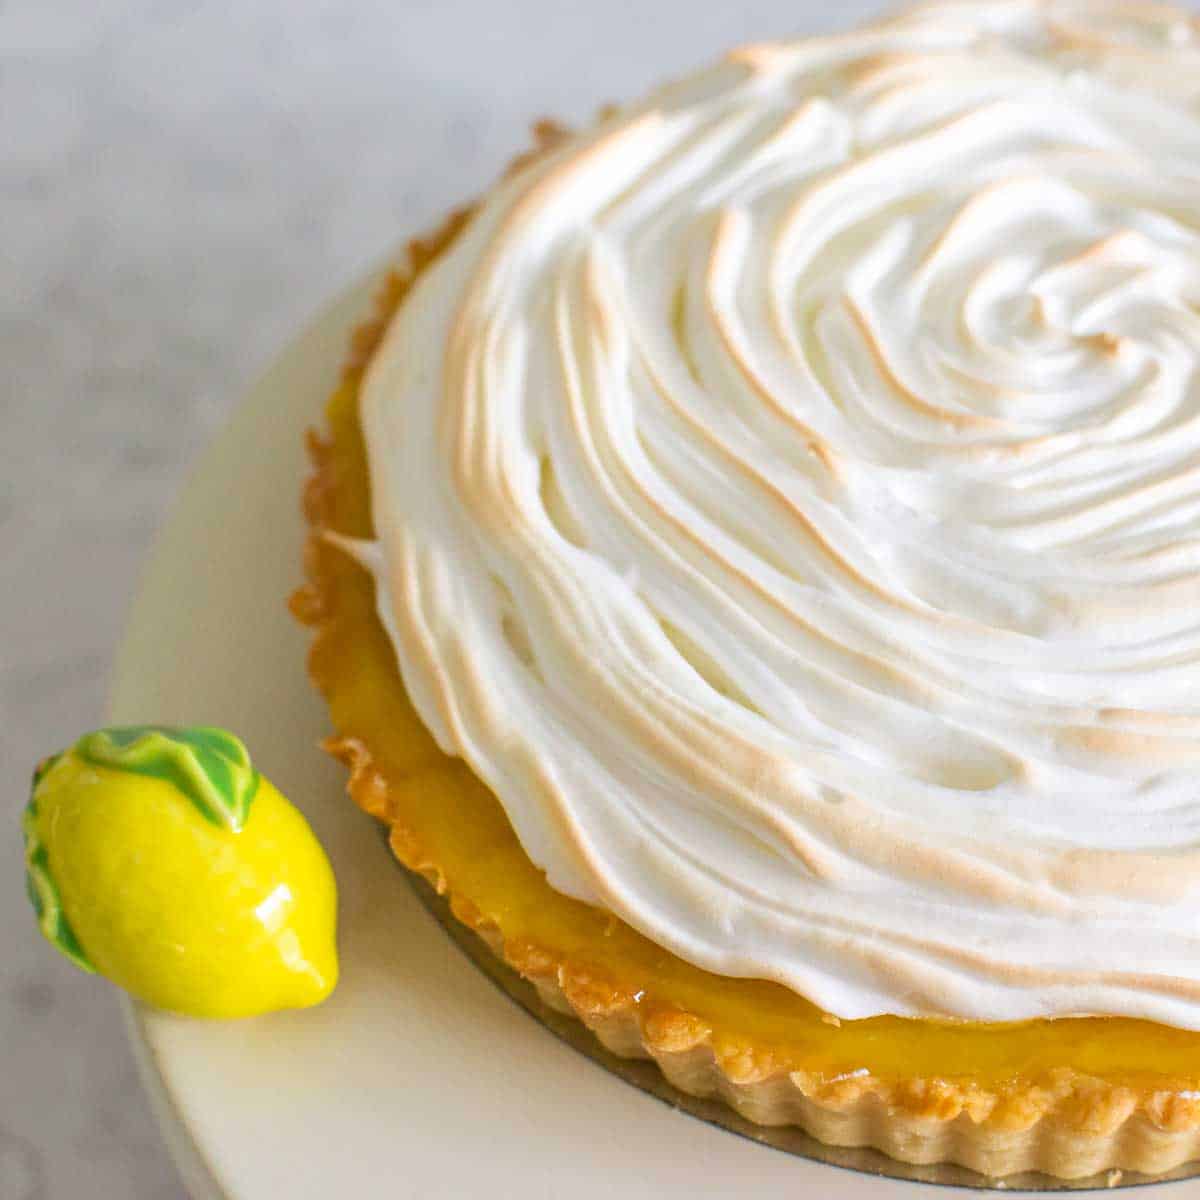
x=209 y=766
x=43 y=767
x=43 y=891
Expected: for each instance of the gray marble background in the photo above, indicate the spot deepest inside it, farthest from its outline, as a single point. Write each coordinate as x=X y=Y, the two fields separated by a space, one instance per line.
x=182 y=184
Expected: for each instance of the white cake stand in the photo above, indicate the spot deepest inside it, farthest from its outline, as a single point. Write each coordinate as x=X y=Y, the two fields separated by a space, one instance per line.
x=418 y=1078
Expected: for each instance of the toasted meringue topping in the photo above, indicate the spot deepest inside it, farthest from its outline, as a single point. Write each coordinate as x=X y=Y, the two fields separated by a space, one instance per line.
x=788 y=503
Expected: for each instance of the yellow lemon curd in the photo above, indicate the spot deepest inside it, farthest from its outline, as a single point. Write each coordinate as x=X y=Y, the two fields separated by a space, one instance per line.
x=159 y=858
x=443 y=816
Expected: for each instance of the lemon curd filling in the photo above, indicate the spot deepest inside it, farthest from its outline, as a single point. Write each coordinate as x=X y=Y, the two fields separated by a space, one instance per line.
x=444 y=818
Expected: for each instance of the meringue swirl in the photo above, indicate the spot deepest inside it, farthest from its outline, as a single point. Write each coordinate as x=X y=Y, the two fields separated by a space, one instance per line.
x=787 y=496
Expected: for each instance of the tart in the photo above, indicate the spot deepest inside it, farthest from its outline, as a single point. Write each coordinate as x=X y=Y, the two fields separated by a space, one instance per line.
x=753 y=572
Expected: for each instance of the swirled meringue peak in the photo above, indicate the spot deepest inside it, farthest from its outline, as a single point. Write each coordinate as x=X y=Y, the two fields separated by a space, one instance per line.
x=787 y=496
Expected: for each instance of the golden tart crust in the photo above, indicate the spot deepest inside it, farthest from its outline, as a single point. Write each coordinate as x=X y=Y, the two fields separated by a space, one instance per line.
x=1071 y=1097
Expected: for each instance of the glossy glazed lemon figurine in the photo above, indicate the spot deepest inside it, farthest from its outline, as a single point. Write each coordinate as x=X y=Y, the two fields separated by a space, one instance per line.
x=161 y=859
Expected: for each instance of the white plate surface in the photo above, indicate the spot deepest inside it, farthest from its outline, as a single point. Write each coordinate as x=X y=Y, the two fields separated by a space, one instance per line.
x=417 y=1078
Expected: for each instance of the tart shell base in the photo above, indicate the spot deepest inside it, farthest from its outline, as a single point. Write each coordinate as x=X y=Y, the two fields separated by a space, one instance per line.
x=863 y=1114
x=1065 y=1124
x=702 y=1092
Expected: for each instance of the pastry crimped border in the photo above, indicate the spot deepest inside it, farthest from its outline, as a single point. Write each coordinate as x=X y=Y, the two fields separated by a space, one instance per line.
x=1068 y=1125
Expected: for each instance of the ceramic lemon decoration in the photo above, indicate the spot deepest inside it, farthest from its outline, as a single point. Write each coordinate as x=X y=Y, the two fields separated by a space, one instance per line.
x=161 y=859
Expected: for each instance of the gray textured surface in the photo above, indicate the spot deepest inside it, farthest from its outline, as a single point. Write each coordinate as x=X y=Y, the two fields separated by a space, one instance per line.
x=182 y=185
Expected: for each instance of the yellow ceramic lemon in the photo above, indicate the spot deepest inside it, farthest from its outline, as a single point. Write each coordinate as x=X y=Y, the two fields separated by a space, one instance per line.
x=161 y=859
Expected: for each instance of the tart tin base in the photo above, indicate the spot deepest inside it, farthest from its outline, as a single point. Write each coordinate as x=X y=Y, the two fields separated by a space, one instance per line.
x=646 y=1076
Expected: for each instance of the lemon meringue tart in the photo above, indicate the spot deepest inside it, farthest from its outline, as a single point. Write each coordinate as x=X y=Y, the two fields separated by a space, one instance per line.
x=755 y=573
